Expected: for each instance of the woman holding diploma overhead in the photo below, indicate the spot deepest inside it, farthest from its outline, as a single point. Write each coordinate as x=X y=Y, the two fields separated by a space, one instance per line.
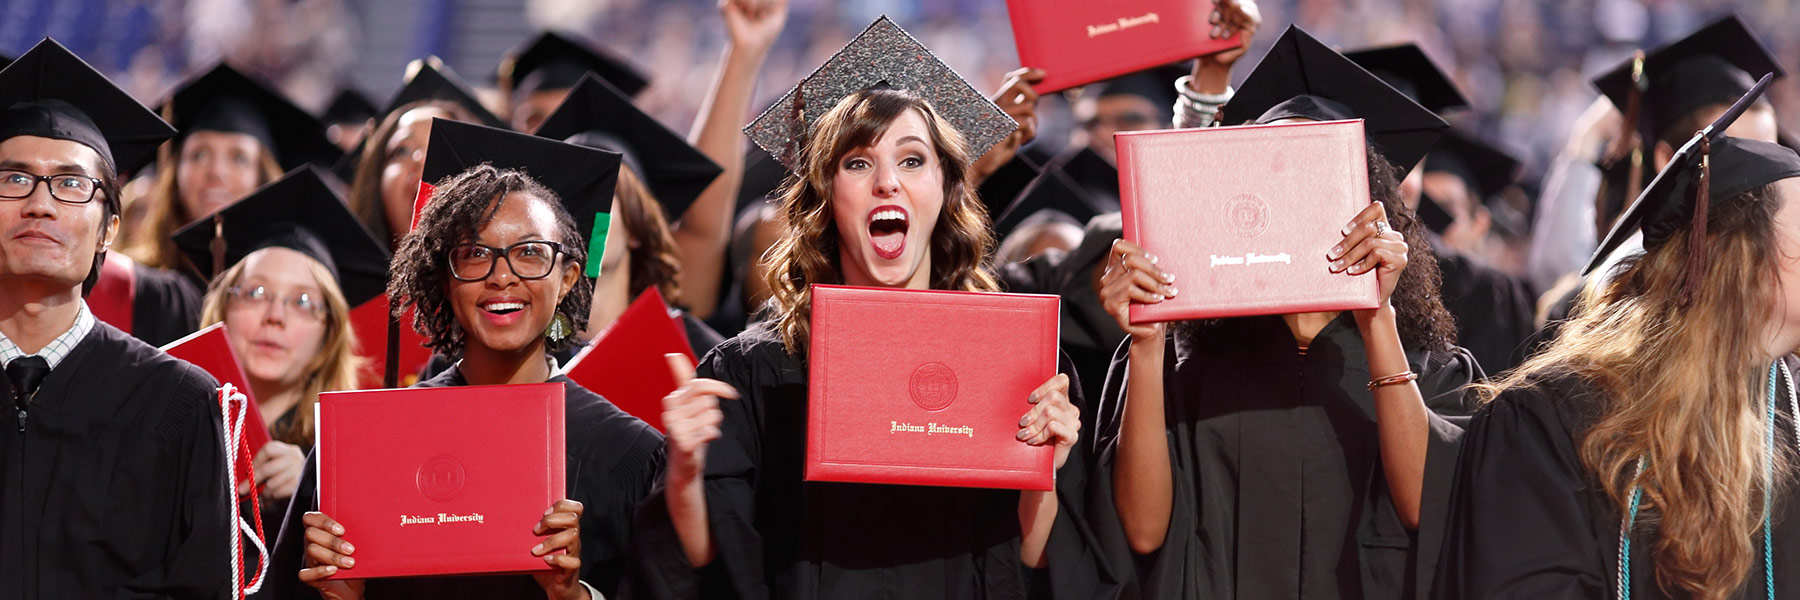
x=882 y=137
x=1298 y=455
x=493 y=270
x=1649 y=451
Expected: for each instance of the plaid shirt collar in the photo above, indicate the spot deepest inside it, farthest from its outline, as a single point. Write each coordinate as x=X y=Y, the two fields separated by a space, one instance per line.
x=57 y=349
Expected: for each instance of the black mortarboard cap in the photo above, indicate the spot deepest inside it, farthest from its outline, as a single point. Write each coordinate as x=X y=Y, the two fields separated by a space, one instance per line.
x=582 y=177
x=1301 y=77
x=349 y=106
x=1485 y=169
x=1667 y=205
x=882 y=55
x=1006 y=183
x=552 y=61
x=430 y=79
x=1715 y=65
x=224 y=99
x=302 y=212
x=1407 y=69
x=598 y=115
x=49 y=92
x=1051 y=191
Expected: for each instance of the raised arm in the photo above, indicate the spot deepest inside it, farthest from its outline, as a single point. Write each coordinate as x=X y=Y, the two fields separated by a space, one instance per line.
x=1143 y=479
x=703 y=234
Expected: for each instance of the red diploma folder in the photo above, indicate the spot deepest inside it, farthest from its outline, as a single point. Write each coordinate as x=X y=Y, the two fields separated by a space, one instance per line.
x=625 y=363
x=435 y=481
x=1244 y=216
x=1077 y=42
x=915 y=387
x=210 y=350
x=371 y=325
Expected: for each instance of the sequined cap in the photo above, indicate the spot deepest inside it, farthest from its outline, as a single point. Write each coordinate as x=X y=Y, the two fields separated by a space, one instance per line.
x=883 y=54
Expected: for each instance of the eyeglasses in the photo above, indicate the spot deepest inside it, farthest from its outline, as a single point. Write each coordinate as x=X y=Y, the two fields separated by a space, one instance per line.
x=532 y=259
x=260 y=298
x=68 y=189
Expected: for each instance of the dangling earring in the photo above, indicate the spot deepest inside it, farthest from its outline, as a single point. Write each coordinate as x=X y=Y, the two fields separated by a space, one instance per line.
x=558 y=329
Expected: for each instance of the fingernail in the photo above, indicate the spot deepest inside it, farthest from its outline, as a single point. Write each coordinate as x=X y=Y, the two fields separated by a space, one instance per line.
x=337 y=530
x=1156 y=298
x=1337 y=265
x=349 y=562
x=1033 y=398
x=538 y=549
x=1154 y=259
x=1023 y=434
x=330 y=569
x=1336 y=250
x=1170 y=290
x=1025 y=420
x=349 y=548
x=1168 y=277
x=1347 y=228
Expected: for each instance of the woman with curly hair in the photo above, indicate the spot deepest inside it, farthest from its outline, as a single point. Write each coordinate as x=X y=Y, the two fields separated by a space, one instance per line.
x=735 y=518
x=1649 y=451
x=493 y=271
x=1285 y=456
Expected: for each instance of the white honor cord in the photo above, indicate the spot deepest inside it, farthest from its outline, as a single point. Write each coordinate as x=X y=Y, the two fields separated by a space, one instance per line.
x=1787 y=378
x=235 y=407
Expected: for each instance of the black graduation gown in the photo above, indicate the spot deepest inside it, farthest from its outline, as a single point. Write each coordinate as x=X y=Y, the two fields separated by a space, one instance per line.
x=116 y=486
x=1493 y=310
x=1089 y=333
x=1100 y=179
x=777 y=536
x=613 y=460
x=1279 y=491
x=165 y=306
x=1527 y=520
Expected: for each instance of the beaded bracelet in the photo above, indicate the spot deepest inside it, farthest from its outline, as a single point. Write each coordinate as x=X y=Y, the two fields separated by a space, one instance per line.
x=1393 y=380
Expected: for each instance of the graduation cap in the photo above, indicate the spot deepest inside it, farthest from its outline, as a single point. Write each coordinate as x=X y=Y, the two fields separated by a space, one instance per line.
x=1301 y=77
x=552 y=62
x=224 y=99
x=1710 y=169
x=430 y=79
x=582 y=177
x=1715 y=65
x=882 y=55
x=1487 y=170
x=1001 y=188
x=6 y=59
x=350 y=106
x=1407 y=69
x=49 y=92
x=598 y=115
x=1433 y=215
x=1051 y=191
x=300 y=212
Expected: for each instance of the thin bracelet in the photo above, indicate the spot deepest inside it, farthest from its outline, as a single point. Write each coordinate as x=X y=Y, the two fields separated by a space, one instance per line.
x=1393 y=380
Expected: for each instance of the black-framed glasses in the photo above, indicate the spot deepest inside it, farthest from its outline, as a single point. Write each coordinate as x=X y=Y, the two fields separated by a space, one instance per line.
x=65 y=188
x=530 y=259
x=259 y=298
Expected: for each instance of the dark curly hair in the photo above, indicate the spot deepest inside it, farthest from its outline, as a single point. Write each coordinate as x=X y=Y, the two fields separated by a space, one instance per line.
x=461 y=205
x=1423 y=321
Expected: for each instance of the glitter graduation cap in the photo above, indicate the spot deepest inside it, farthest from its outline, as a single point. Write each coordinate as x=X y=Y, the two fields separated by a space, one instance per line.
x=883 y=54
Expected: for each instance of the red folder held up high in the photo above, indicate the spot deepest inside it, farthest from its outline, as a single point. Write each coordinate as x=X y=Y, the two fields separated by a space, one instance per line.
x=625 y=363
x=916 y=387
x=434 y=481
x=1077 y=42
x=1244 y=216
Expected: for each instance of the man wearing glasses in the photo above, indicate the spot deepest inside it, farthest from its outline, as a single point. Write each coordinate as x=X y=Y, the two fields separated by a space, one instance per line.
x=112 y=472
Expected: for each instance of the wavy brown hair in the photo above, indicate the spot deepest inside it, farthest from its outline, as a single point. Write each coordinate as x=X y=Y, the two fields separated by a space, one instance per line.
x=461 y=205
x=152 y=242
x=808 y=251
x=1681 y=388
x=333 y=369
x=651 y=248
x=365 y=186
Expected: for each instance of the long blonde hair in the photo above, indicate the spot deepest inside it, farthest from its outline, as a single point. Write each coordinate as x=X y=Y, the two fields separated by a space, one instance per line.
x=808 y=250
x=333 y=369
x=1681 y=387
x=152 y=242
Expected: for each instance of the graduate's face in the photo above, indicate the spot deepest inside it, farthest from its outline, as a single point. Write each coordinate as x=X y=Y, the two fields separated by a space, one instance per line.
x=504 y=313
x=404 y=161
x=1111 y=114
x=885 y=200
x=1785 y=338
x=41 y=238
x=215 y=169
x=531 y=109
x=272 y=338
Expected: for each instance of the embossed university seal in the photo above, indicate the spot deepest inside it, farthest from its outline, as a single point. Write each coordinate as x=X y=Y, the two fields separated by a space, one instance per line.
x=1247 y=215
x=441 y=478
x=933 y=386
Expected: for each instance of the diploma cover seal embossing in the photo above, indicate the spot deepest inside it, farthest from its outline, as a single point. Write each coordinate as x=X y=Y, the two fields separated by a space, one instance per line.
x=441 y=478
x=933 y=386
x=1248 y=215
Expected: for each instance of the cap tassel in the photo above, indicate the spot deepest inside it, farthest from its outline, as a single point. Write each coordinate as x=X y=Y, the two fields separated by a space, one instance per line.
x=218 y=246
x=1696 y=259
x=1626 y=145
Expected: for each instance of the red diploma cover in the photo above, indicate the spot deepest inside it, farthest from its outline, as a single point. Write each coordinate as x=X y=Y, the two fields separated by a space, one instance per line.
x=210 y=350
x=1077 y=42
x=625 y=363
x=914 y=387
x=435 y=481
x=371 y=325
x=1244 y=216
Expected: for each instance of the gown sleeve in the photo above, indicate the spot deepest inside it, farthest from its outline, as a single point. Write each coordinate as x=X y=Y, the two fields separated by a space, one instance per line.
x=1077 y=564
x=1444 y=384
x=1518 y=526
x=198 y=564
x=662 y=569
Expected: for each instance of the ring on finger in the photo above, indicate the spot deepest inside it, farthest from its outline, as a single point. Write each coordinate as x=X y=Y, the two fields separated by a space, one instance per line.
x=1381 y=227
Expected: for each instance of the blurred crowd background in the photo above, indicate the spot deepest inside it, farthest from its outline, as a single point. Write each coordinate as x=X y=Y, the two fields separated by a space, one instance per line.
x=1525 y=64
